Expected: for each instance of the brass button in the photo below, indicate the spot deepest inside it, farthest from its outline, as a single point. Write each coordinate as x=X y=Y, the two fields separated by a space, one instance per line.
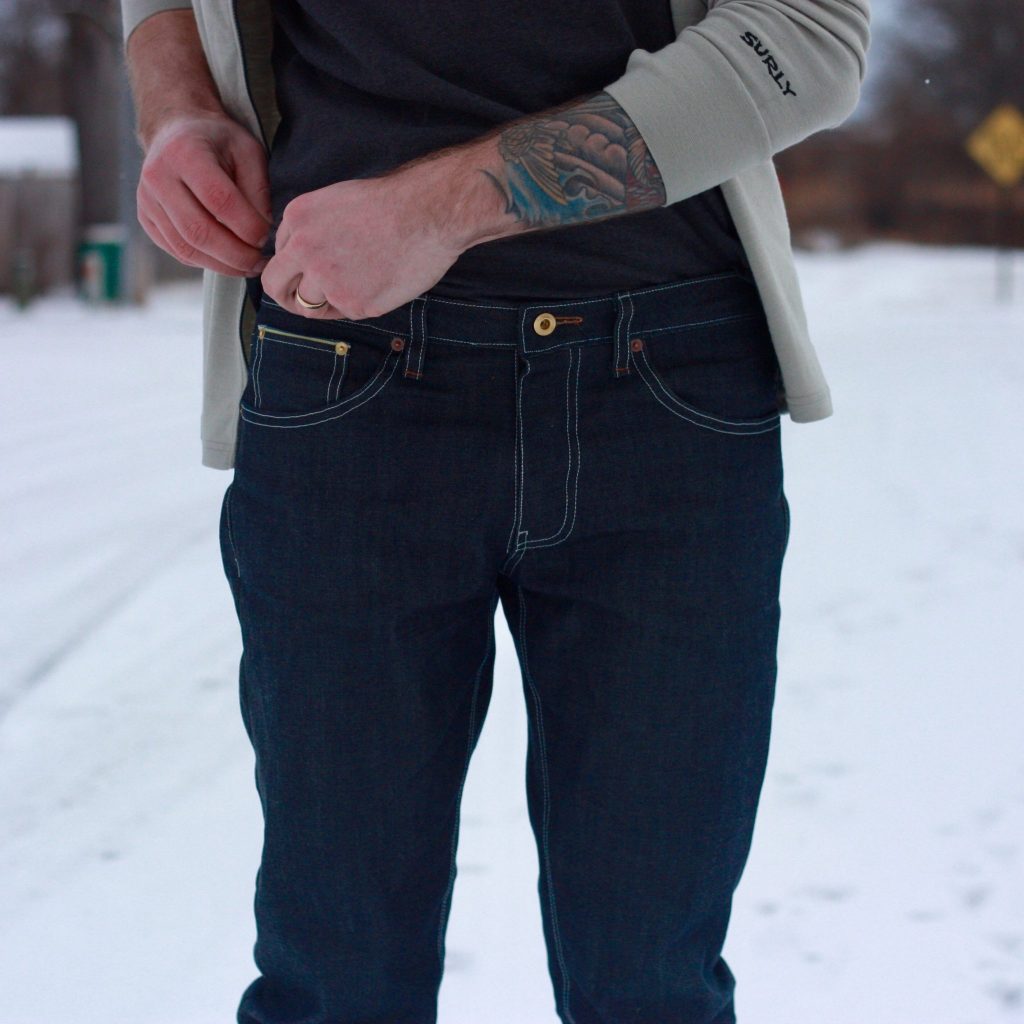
x=341 y=348
x=544 y=323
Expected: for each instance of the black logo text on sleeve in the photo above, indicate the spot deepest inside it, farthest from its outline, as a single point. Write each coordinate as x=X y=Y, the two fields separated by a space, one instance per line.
x=769 y=62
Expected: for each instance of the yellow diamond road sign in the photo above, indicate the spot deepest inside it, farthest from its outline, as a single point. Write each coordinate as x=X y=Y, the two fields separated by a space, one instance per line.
x=998 y=144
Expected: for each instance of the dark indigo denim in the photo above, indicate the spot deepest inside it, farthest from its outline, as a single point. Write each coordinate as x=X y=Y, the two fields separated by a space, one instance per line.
x=616 y=483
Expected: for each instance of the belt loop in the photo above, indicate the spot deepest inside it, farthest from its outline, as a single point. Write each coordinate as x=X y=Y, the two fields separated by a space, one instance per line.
x=623 y=320
x=417 y=337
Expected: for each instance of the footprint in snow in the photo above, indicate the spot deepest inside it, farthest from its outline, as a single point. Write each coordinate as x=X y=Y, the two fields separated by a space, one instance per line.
x=975 y=896
x=1009 y=995
x=828 y=893
x=924 y=916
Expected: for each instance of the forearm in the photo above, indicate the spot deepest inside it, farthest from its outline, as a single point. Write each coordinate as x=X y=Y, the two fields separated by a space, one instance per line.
x=168 y=72
x=576 y=163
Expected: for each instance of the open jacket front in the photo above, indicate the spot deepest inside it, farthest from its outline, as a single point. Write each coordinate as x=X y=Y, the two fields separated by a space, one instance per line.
x=743 y=80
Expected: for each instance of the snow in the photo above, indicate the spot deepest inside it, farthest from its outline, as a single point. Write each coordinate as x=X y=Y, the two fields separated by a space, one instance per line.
x=885 y=884
x=44 y=145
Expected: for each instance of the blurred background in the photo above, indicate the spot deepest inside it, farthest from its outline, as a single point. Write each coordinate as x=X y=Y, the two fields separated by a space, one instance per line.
x=900 y=168
x=886 y=879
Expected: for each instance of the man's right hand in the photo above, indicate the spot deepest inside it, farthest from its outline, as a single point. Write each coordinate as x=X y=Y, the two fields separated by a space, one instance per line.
x=204 y=195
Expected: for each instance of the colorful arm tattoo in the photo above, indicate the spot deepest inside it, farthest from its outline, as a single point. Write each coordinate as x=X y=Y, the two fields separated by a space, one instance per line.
x=575 y=164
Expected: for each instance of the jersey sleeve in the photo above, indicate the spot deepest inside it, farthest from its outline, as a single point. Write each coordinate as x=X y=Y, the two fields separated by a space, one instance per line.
x=750 y=79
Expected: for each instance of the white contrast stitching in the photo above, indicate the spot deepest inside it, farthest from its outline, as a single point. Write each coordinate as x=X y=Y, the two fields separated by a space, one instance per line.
x=641 y=291
x=412 y=339
x=423 y=335
x=573 y=469
x=546 y=855
x=474 y=305
x=520 y=452
x=334 y=369
x=465 y=770
x=475 y=344
x=698 y=412
x=256 y=373
x=345 y=406
x=648 y=330
x=644 y=365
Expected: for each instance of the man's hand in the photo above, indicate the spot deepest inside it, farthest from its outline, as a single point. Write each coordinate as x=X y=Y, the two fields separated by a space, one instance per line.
x=370 y=245
x=203 y=194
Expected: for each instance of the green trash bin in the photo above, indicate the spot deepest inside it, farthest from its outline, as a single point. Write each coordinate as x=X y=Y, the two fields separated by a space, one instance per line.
x=99 y=262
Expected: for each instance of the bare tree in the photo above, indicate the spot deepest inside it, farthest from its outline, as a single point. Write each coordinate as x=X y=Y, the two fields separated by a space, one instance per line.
x=32 y=46
x=950 y=63
x=93 y=71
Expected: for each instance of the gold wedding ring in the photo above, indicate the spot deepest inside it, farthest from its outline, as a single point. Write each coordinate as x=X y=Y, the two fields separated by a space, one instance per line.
x=309 y=305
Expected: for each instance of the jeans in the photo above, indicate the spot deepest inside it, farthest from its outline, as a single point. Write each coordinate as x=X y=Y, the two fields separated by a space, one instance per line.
x=609 y=470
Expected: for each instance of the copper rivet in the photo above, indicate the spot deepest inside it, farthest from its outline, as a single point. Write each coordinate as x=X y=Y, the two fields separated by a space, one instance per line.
x=398 y=344
x=636 y=344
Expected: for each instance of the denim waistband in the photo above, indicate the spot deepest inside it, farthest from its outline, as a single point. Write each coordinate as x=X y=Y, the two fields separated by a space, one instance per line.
x=543 y=326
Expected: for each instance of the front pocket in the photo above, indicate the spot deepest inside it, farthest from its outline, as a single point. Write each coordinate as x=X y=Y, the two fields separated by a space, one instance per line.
x=295 y=373
x=298 y=379
x=722 y=376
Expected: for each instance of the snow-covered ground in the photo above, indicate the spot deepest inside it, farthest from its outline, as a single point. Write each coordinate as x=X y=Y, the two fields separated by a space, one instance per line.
x=886 y=882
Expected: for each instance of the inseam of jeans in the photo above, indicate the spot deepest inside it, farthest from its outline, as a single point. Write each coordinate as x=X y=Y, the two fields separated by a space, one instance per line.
x=442 y=921
x=545 y=854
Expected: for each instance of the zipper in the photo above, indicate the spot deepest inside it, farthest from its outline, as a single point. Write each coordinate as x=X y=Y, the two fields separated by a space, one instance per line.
x=340 y=347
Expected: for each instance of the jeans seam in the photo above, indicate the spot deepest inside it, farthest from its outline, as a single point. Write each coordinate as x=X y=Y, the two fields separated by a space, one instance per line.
x=684 y=284
x=598 y=337
x=475 y=305
x=330 y=383
x=474 y=344
x=462 y=785
x=520 y=455
x=573 y=470
x=629 y=329
x=423 y=338
x=257 y=363
x=640 y=291
x=231 y=532
x=702 y=323
x=643 y=364
x=346 y=406
x=545 y=854
x=649 y=330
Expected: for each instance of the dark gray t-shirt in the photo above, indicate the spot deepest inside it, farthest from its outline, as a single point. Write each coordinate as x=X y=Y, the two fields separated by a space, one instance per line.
x=364 y=85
